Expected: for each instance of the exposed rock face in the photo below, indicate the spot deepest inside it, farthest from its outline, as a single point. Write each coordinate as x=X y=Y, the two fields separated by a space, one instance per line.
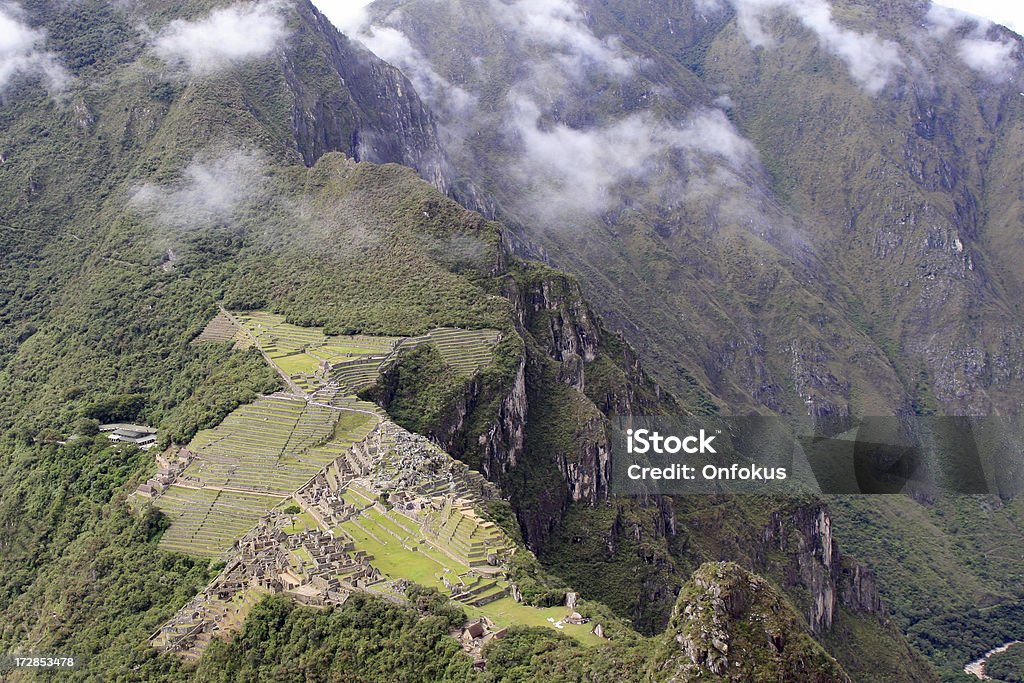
x=731 y=625
x=805 y=533
x=358 y=104
x=586 y=473
x=502 y=444
x=553 y=310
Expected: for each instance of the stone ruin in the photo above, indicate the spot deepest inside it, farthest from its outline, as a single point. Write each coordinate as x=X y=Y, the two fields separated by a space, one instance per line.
x=170 y=466
x=324 y=571
x=438 y=495
x=476 y=634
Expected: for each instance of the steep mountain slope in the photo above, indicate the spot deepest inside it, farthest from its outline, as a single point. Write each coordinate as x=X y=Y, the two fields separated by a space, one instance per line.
x=716 y=236
x=174 y=185
x=141 y=197
x=804 y=213
x=172 y=172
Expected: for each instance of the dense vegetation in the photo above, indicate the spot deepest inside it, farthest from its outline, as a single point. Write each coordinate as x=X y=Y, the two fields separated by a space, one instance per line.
x=1007 y=666
x=935 y=559
x=419 y=391
x=366 y=640
x=953 y=640
x=370 y=639
x=103 y=295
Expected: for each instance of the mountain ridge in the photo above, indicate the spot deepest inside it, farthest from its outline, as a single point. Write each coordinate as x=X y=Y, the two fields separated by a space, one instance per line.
x=121 y=256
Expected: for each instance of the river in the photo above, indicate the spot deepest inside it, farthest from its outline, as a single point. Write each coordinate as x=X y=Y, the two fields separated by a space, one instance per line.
x=977 y=667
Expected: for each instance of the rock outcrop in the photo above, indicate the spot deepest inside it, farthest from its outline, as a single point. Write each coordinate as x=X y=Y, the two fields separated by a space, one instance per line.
x=731 y=625
x=356 y=103
x=816 y=566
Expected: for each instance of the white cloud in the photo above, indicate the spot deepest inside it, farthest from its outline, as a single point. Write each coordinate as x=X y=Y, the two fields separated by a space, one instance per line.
x=978 y=44
x=395 y=48
x=1009 y=13
x=349 y=16
x=560 y=24
x=226 y=37
x=21 y=52
x=942 y=20
x=870 y=60
x=210 y=193
x=570 y=172
x=992 y=58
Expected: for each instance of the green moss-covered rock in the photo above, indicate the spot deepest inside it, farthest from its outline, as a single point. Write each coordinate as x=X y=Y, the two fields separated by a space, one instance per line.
x=731 y=625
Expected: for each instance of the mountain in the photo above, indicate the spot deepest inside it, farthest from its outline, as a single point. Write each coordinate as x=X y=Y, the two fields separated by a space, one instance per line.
x=719 y=623
x=231 y=224
x=170 y=185
x=674 y=157
x=785 y=207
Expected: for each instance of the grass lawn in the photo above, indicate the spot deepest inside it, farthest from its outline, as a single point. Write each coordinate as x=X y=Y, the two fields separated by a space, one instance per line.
x=508 y=612
x=398 y=562
x=358 y=498
x=300 y=523
x=297 y=363
x=351 y=421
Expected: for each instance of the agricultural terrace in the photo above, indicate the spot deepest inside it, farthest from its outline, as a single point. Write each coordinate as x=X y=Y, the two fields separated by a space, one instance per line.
x=464 y=351
x=311 y=358
x=304 y=353
x=207 y=522
x=224 y=329
x=256 y=457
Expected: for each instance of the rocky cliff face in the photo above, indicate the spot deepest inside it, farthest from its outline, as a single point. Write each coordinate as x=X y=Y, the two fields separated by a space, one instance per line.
x=353 y=102
x=818 y=568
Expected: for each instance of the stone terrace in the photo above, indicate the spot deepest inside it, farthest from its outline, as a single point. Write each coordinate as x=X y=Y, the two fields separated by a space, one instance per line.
x=253 y=460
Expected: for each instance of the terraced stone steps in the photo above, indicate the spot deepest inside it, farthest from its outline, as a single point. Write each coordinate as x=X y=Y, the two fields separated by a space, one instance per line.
x=207 y=522
x=356 y=375
x=468 y=538
x=302 y=351
x=273 y=446
x=222 y=329
x=465 y=351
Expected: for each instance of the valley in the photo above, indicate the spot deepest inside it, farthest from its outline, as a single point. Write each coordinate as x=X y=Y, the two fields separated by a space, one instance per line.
x=379 y=292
